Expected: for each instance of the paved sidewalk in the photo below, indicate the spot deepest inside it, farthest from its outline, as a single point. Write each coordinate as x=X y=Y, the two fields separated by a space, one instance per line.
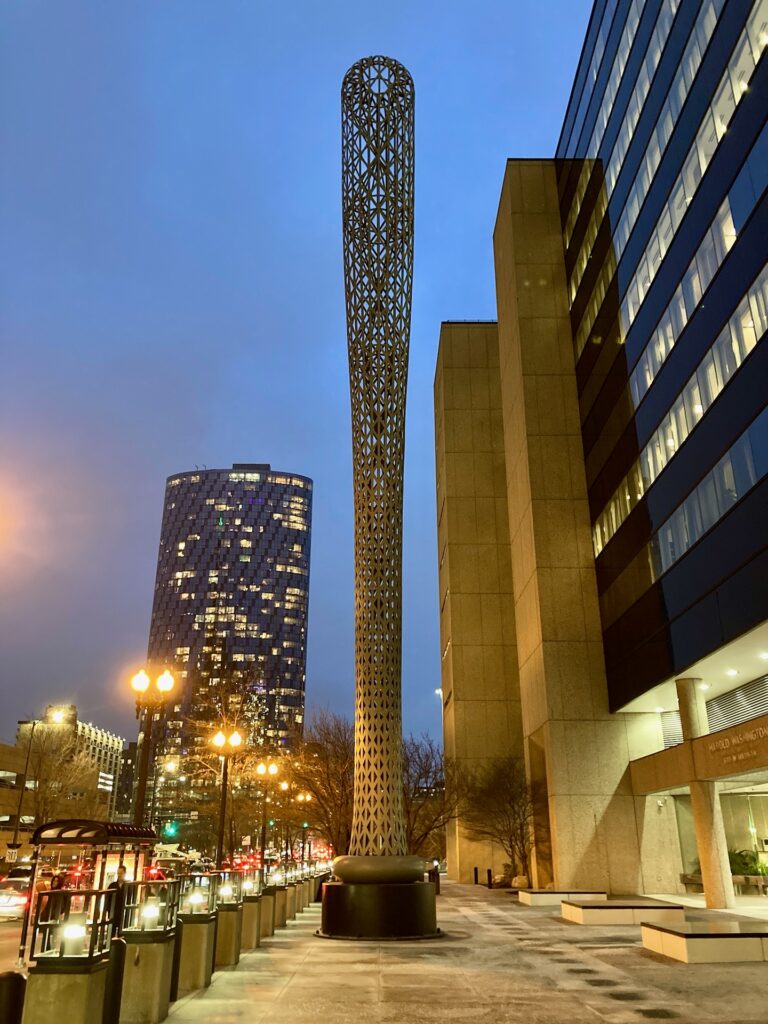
x=499 y=963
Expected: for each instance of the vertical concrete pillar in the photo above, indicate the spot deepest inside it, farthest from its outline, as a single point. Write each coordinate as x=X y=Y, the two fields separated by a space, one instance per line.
x=693 y=708
x=705 y=804
x=250 y=936
x=146 y=993
x=78 y=996
x=198 y=932
x=267 y=924
x=583 y=750
x=281 y=905
x=229 y=930
x=480 y=692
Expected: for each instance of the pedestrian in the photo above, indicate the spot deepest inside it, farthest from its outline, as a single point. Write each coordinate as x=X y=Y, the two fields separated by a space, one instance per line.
x=119 y=900
x=52 y=909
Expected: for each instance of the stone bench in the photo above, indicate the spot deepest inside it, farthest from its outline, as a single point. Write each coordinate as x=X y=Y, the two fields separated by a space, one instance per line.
x=554 y=897
x=695 y=883
x=634 y=910
x=708 y=942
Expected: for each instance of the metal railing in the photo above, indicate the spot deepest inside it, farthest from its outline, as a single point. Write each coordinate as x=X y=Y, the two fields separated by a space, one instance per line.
x=149 y=906
x=73 y=924
x=199 y=893
x=230 y=886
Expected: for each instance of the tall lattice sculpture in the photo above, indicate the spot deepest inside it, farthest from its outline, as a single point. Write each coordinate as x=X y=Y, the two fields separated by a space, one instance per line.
x=379 y=892
x=377 y=205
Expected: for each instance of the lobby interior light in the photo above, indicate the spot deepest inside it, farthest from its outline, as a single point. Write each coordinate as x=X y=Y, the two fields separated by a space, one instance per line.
x=659 y=711
x=731 y=672
x=763 y=655
x=704 y=686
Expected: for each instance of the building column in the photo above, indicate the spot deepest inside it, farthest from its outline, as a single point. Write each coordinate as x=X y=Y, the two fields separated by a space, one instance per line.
x=577 y=752
x=705 y=804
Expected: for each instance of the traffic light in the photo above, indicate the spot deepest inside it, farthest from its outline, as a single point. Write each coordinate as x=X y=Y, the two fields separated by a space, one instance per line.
x=271 y=822
x=171 y=828
x=305 y=824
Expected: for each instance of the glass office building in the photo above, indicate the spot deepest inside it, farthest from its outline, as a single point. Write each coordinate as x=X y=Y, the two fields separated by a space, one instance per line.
x=662 y=164
x=229 y=616
x=617 y=421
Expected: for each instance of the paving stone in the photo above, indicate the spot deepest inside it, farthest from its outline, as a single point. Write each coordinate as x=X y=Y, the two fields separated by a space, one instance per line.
x=484 y=971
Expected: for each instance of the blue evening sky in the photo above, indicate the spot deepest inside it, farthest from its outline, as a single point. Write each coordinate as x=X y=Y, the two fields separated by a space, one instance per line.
x=171 y=294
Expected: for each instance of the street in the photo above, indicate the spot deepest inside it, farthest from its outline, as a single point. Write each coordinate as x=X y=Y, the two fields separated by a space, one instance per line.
x=10 y=932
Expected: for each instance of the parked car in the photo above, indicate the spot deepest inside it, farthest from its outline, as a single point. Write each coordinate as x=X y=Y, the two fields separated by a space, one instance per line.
x=23 y=873
x=13 y=897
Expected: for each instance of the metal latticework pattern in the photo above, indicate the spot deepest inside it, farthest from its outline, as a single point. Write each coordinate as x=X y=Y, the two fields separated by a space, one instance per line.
x=377 y=202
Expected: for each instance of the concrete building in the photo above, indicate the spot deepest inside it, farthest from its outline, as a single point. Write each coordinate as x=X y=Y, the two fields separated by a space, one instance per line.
x=230 y=614
x=103 y=748
x=632 y=300
x=12 y=759
x=480 y=689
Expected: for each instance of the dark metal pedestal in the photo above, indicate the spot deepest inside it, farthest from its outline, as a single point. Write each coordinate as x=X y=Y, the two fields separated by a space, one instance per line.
x=377 y=911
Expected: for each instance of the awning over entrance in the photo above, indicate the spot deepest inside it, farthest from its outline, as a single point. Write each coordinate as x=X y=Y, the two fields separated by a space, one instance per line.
x=718 y=755
x=80 y=832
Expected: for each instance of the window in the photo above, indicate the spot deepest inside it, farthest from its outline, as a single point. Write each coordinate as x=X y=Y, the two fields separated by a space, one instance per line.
x=710 y=132
x=726 y=354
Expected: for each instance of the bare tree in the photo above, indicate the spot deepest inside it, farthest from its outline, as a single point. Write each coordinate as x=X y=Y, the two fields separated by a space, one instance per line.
x=323 y=765
x=430 y=796
x=65 y=778
x=498 y=805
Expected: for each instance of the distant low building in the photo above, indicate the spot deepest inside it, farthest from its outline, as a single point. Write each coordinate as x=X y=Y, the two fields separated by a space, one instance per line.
x=103 y=748
x=12 y=760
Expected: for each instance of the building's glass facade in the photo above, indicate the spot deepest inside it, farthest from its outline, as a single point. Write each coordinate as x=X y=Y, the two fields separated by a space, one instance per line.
x=662 y=168
x=230 y=608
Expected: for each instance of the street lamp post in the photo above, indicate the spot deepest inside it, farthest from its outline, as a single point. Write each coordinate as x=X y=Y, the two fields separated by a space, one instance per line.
x=226 y=746
x=266 y=771
x=146 y=701
x=304 y=798
x=14 y=846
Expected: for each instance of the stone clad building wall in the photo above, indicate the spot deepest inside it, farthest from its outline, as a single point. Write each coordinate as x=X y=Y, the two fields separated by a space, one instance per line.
x=481 y=702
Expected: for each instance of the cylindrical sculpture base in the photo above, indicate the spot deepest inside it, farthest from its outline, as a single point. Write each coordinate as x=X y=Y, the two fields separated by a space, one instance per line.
x=386 y=910
x=267 y=911
x=197 y=932
x=251 y=936
x=229 y=927
x=300 y=897
x=281 y=905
